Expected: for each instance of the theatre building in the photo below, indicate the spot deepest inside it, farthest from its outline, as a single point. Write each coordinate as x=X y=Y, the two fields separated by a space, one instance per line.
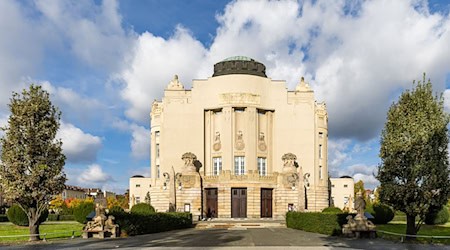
x=236 y=145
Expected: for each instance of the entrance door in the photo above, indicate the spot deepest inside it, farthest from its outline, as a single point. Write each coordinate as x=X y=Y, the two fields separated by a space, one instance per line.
x=266 y=203
x=238 y=202
x=211 y=202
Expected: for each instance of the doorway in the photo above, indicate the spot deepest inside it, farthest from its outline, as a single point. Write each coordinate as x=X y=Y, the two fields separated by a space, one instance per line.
x=238 y=203
x=211 y=202
x=266 y=203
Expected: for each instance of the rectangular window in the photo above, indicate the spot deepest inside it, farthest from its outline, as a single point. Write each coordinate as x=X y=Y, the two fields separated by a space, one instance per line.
x=239 y=165
x=262 y=167
x=345 y=185
x=320 y=151
x=156 y=134
x=320 y=135
x=138 y=199
x=217 y=165
x=138 y=185
x=320 y=173
x=157 y=150
x=157 y=171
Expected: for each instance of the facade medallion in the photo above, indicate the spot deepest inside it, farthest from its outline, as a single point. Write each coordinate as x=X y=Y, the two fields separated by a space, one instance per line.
x=262 y=143
x=217 y=145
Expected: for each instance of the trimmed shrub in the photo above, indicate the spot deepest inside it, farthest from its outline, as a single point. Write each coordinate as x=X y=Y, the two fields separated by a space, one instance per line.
x=68 y=217
x=382 y=213
x=142 y=208
x=136 y=224
x=437 y=218
x=3 y=218
x=53 y=217
x=82 y=210
x=324 y=223
x=332 y=210
x=18 y=217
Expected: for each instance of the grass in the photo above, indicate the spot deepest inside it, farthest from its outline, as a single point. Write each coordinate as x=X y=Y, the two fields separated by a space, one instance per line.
x=429 y=230
x=54 y=231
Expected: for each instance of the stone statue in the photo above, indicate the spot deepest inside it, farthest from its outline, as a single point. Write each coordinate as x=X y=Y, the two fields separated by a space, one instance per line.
x=189 y=159
x=175 y=84
x=100 y=225
x=289 y=162
x=360 y=205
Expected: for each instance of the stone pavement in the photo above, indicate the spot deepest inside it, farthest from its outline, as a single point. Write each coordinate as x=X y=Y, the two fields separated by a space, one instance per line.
x=261 y=238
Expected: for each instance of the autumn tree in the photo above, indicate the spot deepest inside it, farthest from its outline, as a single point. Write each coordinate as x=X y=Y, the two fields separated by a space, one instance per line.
x=359 y=187
x=32 y=161
x=414 y=169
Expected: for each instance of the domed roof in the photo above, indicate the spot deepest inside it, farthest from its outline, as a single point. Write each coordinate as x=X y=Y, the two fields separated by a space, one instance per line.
x=239 y=65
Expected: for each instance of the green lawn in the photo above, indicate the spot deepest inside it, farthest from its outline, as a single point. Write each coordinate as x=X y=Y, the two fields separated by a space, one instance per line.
x=400 y=227
x=54 y=230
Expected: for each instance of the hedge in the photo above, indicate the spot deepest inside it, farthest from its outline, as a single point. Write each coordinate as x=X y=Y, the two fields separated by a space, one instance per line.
x=437 y=218
x=324 y=223
x=142 y=208
x=136 y=224
x=332 y=210
x=60 y=217
x=3 y=218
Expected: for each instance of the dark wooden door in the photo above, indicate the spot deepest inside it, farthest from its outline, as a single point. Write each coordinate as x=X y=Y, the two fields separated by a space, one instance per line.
x=238 y=202
x=266 y=203
x=211 y=202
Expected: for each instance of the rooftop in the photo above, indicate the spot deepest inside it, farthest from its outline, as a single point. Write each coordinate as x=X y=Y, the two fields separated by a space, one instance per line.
x=239 y=65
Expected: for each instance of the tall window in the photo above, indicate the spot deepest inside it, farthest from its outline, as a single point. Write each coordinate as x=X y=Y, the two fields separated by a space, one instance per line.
x=239 y=165
x=217 y=165
x=320 y=173
x=138 y=199
x=320 y=151
x=156 y=134
x=157 y=171
x=262 y=167
x=320 y=135
x=157 y=150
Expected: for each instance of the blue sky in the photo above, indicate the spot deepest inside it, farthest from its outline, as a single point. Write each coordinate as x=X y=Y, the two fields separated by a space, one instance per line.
x=104 y=62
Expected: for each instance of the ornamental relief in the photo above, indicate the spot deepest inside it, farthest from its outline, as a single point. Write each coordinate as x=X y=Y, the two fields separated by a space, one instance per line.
x=239 y=143
x=217 y=144
x=261 y=142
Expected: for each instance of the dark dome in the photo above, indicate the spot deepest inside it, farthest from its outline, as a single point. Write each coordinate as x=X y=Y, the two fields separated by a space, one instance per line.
x=137 y=176
x=239 y=65
x=346 y=176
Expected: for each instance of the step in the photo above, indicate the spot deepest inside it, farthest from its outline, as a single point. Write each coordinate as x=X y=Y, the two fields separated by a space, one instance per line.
x=239 y=224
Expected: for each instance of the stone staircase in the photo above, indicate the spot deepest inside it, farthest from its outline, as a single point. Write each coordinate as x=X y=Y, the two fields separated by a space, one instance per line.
x=239 y=224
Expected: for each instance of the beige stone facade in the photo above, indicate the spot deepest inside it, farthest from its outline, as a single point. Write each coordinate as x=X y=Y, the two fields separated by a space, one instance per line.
x=237 y=144
x=342 y=192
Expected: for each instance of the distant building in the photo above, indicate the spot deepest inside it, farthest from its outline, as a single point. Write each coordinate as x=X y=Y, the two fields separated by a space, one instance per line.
x=238 y=143
x=71 y=192
x=342 y=192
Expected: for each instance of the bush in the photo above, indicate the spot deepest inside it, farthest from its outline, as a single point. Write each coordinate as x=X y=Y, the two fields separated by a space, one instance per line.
x=437 y=218
x=3 y=218
x=324 y=223
x=116 y=209
x=18 y=217
x=382 y=213
x=68 y=217
x=82 y=210
x=142 y=208
x=332 y=210
x=53 y=217
x=136 y=224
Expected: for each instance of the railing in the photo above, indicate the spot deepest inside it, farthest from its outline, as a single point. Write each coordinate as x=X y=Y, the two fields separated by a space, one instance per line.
x=42 y=234
x=403 y=236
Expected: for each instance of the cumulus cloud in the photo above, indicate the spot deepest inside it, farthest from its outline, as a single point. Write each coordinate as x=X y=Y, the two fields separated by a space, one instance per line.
x=356 y=59
x=337 y=155
x=78 y=146
x=94 y=174
x=140 y=142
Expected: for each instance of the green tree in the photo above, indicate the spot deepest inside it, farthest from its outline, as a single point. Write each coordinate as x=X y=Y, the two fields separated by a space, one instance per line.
x=31 y=159
x=359 y=187
x=414 y=172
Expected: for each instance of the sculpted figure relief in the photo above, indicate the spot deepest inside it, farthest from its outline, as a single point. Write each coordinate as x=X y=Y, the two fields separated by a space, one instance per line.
x=189 y=159
x=217 y=144
x=289 y=162
x=239 y=144
x=360 y=205
x=262 y=144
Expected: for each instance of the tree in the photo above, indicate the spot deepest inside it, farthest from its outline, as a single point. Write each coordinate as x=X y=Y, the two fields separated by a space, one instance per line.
x=359 y=187
x=32 y=161
x=414 y=172
x=111 y=202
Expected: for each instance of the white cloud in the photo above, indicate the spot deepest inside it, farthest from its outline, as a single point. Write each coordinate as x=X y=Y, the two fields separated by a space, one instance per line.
x=78 y=146
x=94 y=174
x=356 y=63
x=447 y=100
x=370 y=182
x=140 y=142
x=337 y=155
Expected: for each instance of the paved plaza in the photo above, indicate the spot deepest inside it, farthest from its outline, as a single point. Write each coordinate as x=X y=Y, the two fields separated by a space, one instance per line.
x=261 y=238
